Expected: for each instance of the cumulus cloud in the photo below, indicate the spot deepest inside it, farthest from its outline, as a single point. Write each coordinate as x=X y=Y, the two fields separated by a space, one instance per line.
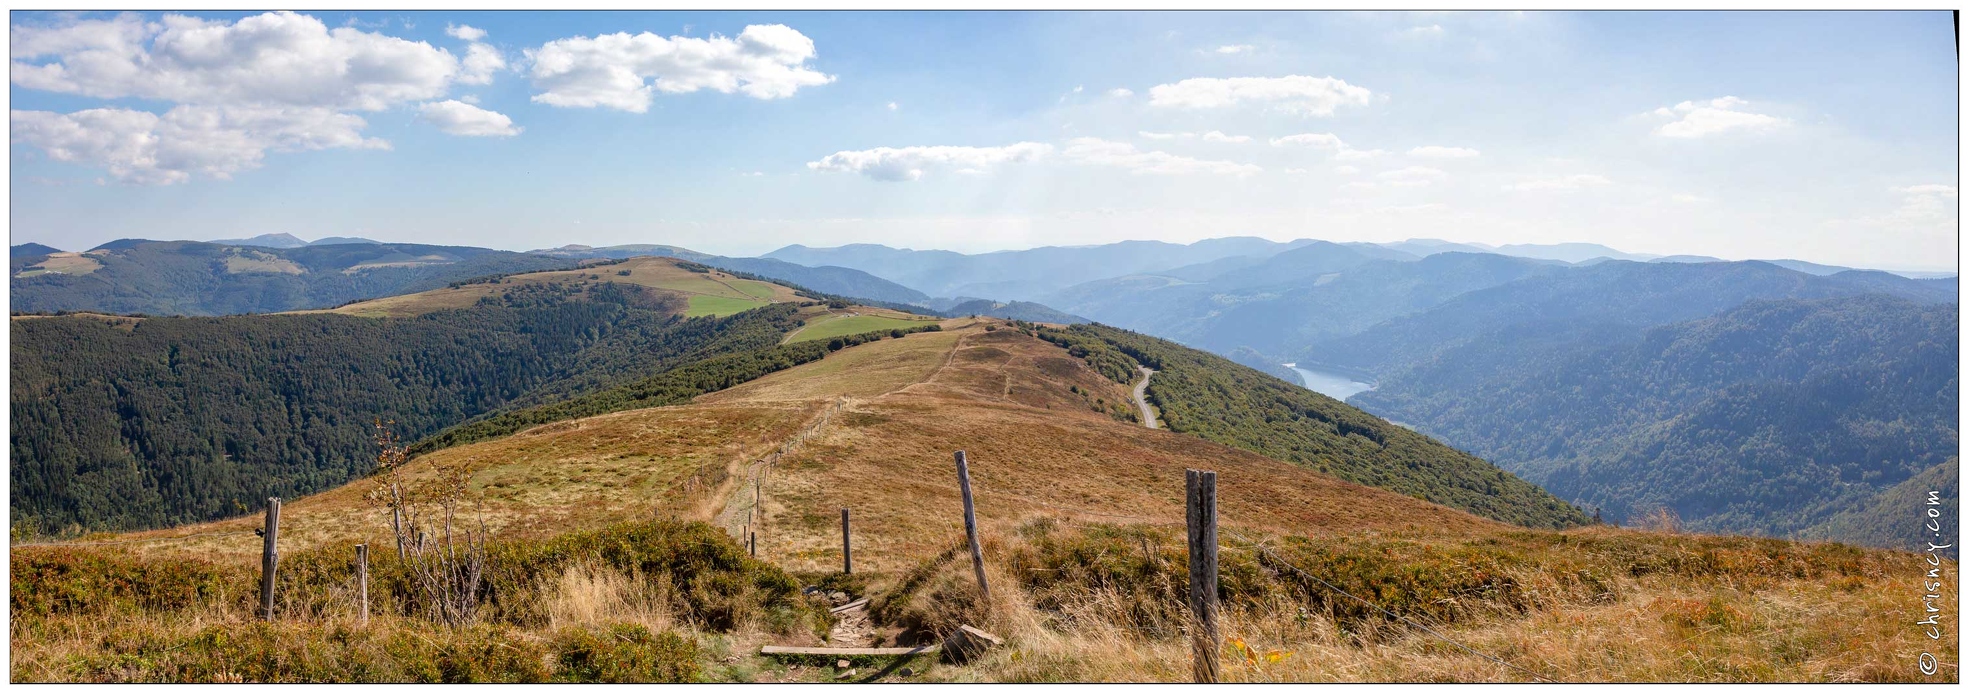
x=1235 y=49
x=465 y=33
x=1121 y=92
x=1435 y=152
x=1329 y=142
x=1433 y=31
x=272 y=59
x=620 y=71
x=1146 y=135
x=1098 y=152
x=1216 y=136
x=214 y=141
x=912 y=163
x=1694 y=119
x=460 y=118
x=1572 y=182
x=1312 y=96
x=1345 y=170
x=236 y=89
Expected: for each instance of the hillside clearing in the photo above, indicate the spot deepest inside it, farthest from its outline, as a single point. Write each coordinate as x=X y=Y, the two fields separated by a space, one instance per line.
x=861 y=321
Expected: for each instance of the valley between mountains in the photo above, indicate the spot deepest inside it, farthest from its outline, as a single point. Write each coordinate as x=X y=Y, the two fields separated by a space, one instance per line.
x=617 y=494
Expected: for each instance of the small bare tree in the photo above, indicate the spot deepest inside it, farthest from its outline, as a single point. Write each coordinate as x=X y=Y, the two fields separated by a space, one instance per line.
x=447 y=571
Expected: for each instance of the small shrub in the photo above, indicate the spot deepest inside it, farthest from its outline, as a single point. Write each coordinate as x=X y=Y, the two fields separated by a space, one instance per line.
x=625 y=653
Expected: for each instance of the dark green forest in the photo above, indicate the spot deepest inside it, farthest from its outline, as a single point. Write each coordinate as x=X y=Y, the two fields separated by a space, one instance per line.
x=189 y=278
x=161 y=421
x=1205 y=395
x=1773 y=418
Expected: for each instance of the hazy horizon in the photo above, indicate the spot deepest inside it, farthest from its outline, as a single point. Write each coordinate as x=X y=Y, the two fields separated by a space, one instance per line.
x=1824 y=137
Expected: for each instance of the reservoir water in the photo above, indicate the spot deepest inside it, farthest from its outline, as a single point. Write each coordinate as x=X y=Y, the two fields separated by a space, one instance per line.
x=1332 y=385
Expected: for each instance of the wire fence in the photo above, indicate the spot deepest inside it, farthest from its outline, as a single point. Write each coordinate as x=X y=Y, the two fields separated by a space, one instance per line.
x=1263 y=550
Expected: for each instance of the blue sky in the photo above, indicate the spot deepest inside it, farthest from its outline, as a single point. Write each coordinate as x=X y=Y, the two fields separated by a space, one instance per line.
x=1829 y=137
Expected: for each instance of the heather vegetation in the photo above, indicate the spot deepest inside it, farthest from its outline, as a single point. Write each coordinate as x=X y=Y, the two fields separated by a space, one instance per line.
x=1212 y=397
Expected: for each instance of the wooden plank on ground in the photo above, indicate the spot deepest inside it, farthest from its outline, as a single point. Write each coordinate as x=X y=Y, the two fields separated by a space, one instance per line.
x=802 y=650
x=860 y=602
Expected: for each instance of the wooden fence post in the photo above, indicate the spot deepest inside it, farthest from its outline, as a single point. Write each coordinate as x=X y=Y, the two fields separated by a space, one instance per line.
x=269 y=557
x=847 y=551
x=1202 y=516
x=971 y=524
x=362 y=580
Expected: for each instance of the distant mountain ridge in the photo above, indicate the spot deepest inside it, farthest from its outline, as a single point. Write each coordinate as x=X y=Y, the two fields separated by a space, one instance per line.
x=202 y=279
x=284 y=240
x=830 y=279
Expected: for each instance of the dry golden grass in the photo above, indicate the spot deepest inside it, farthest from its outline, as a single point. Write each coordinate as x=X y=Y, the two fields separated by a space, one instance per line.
x=872 y=428
x=660 y=273
x=63 y=263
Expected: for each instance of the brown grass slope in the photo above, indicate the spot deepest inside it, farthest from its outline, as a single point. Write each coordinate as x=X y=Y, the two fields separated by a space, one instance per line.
x=1081 y=512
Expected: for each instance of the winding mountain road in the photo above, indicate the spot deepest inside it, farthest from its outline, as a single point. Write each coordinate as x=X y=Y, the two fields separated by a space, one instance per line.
x=1142 y=398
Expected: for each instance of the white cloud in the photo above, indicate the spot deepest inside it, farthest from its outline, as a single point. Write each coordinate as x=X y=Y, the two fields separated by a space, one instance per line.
x=1314 y=96
x=460 y=118
x=1433 y=31
x=1216 y=136
x=1435 y=152
x=912 y=163
x=1121 y=92
x=1721 y=115
x=214 y=141
x=467 y=33
x=481 y=62
x=1572 y=182
x=620 y=71
x=1688 y=199
x=1327 y=141
x=272 y=59
x=893 y=106
x=1411 y=176
x=1146 y=135
x=1294 y=172
x=1235 y=49
x=1099 y=152
x=1346 y=170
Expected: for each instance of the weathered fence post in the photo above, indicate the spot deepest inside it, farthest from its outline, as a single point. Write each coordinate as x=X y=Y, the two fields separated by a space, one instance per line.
x=269 y=557
x=971 y=523
x=847 y=551
x=362 y=580
x=752 y=542
x=1202 y=516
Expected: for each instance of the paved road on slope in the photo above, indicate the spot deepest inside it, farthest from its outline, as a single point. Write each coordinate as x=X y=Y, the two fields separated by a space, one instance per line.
x=1142 y=399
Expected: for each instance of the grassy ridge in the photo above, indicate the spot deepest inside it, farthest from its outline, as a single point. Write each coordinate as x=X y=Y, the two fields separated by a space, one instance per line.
x=1220 y=400
x=675 y=386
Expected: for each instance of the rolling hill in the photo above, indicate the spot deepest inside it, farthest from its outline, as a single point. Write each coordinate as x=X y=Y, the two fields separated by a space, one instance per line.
x=210 y=413
x=839 y=281
x=1080 y=509
x=1771 y=418
x=202 y=279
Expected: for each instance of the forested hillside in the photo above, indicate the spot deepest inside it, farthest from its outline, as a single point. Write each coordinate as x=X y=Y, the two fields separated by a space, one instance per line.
x=1616 y=293
x=128 y=423
x=1770 y=418
x=1208 y=396
x=202 y=279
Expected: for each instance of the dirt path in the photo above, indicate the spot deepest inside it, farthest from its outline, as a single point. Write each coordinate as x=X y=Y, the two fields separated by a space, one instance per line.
x=1142 y=399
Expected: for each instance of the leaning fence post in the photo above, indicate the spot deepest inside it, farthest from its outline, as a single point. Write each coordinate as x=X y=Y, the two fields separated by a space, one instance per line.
x=269 y=557
x=971 y=524
x=1202 y=517
x=362 y=580
x=847 y=552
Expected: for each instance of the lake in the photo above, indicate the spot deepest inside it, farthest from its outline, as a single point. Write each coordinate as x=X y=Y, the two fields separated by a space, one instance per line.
x=1327 y=383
